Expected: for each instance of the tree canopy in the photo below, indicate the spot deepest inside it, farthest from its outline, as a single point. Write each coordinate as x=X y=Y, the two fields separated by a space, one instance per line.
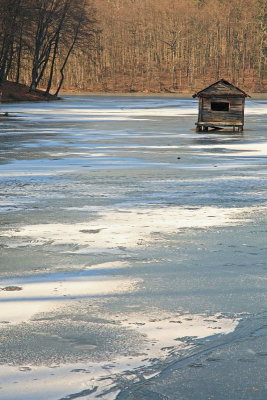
x=133 y=45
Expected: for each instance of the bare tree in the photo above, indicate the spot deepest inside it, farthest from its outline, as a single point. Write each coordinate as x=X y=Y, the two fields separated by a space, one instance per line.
x=8 y=28
x=79 y=28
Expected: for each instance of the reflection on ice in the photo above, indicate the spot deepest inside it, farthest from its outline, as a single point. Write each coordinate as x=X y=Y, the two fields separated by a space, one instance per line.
x=123 y=109
x=39 y=296
x=237 y=149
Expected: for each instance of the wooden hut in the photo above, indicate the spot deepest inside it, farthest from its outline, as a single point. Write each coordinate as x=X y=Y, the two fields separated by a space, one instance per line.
x=221 y=105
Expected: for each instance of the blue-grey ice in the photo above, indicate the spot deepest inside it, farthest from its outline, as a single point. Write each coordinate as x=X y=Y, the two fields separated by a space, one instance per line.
x=133 y=252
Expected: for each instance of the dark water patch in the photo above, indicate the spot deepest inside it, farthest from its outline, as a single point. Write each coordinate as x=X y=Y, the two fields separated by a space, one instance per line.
x=81 y=394
x=11 y=288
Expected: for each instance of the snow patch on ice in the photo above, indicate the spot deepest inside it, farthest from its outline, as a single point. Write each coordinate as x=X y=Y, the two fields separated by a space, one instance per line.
x=163 y=335
x=125 y=227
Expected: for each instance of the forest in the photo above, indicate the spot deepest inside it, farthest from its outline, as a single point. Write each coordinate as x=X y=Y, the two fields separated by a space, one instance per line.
x=133 y=45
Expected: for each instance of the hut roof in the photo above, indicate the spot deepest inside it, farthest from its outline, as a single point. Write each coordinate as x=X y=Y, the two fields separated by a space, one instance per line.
x=221 y=88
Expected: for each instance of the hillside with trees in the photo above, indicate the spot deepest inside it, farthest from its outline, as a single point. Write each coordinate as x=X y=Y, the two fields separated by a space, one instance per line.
x=37 y=38
x=133 y=45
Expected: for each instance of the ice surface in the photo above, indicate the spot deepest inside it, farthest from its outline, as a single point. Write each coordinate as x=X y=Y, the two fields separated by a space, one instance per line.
x=139 y=247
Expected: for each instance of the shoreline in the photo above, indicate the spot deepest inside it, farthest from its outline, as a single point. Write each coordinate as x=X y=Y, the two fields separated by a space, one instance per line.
x=257 y=96
x=11 y=92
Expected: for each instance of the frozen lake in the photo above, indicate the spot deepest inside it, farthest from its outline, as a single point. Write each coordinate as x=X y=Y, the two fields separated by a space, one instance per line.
x=133 y=252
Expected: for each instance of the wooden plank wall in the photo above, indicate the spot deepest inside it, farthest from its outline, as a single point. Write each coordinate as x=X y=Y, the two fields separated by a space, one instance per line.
x=235 y=114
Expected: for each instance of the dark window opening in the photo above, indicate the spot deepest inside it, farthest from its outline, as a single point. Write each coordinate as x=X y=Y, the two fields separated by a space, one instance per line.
x=219 y=106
